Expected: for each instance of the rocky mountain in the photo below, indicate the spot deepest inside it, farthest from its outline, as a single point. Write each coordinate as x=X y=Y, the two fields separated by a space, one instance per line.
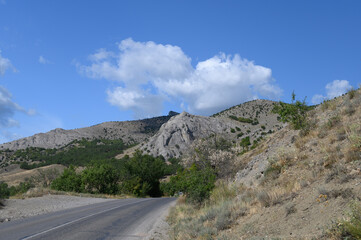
x=169 y=136
x=129 y=131
x=176 y=135
x=252 y=119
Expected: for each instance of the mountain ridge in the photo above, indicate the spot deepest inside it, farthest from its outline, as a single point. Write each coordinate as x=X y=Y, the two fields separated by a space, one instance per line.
x=129 y=131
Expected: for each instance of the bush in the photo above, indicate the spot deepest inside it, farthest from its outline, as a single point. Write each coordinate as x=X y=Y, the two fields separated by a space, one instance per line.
x=194 y=182
x=100 y=179
x=4 y=191
x=350 y=228
x=295 y=113
x=240 y=134
x=146 y=171
x=245 y=142
x=69 y=181
x=23 y=187
x=352 y=93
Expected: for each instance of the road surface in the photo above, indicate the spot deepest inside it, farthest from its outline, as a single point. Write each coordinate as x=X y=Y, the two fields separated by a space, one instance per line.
x=118 y=219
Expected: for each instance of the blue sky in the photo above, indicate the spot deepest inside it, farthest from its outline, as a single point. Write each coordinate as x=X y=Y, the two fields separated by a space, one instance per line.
x=72 y=64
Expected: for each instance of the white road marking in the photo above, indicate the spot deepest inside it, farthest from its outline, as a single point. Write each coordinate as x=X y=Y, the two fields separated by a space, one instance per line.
x=79 y=219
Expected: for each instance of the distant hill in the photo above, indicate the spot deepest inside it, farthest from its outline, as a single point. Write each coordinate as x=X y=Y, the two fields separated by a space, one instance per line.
x=129 y=131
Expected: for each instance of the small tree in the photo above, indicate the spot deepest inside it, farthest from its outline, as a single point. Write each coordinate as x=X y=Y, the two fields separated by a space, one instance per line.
x=196 y=183
x=295 y=113
x=69 y=181
x=144 y=172
x=245 y=142
x=101 y=178
x=4 y=190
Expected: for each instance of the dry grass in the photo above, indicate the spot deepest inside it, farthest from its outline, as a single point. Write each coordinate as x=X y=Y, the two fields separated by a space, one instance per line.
x=323 y=165
x=217 y=215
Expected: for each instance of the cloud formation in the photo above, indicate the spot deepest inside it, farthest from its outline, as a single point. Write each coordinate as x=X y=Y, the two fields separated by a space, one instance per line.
x=5 y=64
x=43 y=60
x=333 y=89
x=7 y=106
x=149 y=74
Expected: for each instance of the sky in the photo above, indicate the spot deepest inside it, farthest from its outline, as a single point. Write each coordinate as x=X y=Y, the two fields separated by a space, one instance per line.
x=72 y=64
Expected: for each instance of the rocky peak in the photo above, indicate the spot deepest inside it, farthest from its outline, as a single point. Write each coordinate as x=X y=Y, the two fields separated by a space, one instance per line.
x=175 y=136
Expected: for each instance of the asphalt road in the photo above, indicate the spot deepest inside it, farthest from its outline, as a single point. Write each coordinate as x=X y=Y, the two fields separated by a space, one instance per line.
x=118 y=219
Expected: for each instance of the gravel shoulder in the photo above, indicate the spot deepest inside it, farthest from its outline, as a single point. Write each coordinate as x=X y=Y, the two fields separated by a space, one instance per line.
x=22 y=208
x=160 y=229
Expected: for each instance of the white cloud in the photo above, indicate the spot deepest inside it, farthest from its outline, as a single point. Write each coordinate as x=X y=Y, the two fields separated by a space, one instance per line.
x=7 y=136
x=333 y=89
x=43 y=60
x=143 y=104
x=337 y=88
x=150 y=73
x=7 y=106
x=5 y=64
x=318 y=98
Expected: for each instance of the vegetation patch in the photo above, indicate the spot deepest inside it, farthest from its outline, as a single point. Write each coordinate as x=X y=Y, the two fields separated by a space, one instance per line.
x=244 y=120
x=78 y=153
x=138 y=176
x=349 y=228
x=294 y=113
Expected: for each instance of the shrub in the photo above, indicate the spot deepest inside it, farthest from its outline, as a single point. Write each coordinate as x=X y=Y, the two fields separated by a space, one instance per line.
x=4 y=190
x=245 y=142
x=241 y=119
x=69 y=181
x=295 y=113
x=23 y=187
x=239 y=134
x=350 y=228
x=100 y=179
x=196 y=183
x=146 y=170
x=352 y=93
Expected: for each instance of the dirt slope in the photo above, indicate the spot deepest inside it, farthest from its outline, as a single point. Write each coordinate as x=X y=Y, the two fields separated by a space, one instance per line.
x=293 y=185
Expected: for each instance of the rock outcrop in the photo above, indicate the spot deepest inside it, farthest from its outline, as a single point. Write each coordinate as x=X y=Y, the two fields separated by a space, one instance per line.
x=128 y=131
x=176 y=136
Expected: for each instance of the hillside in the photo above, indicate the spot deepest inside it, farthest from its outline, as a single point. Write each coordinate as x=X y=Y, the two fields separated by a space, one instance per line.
x=252 y=119
x=129 y=131
x=296 y=184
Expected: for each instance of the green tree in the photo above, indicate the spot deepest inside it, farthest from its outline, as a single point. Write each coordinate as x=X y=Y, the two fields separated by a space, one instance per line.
x=144 y=171
x=295 y=113
x=69 y=181
x=245 y=142
x=101 y=178
x=195 y=182
x=4 y=190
